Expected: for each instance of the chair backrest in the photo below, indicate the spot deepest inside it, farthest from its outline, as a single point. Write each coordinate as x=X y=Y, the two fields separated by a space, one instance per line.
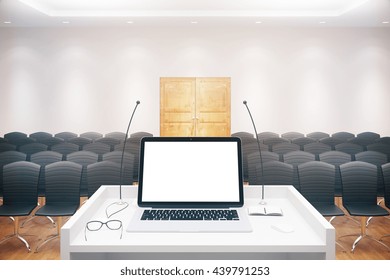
x=253 y=164
x=302 y=141
x=383 y=140
x=65 y=149
x=377 y=159
x=284 y=148
x=32 y=148
x=359 y=183
x=44 y=158
x=267 y=134
x=14 y=135
x=40 y=135
x=331 y=141
x=141 y=134
x=128 y=164
x=349 y=148
x=4 y=147
x=102 y=173
x=97 y=148
x=91 y=135
x=296 y=158
x=336 y=158
x=317 y=182
x=247 y=149
x=133 y=149
x=317 y=135
x=316 y=148
x=274 y=140
x=368 y=135
x=111 y=142
x=386 y=177
x=343 y=135
x=65 y=135
x=117 y=135
x=80 y=141
x=380 y=147
x=20 y=183
x=63 y=183
x=84 y=158
x=242 y=134
x=275 y=173
x=292 y=135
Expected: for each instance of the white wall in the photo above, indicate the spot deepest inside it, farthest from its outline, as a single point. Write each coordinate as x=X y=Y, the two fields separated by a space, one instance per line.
x=88 y=79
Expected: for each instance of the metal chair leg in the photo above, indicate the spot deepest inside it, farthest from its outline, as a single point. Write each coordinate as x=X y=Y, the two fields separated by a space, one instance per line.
x=17 y=235
x=52 y=236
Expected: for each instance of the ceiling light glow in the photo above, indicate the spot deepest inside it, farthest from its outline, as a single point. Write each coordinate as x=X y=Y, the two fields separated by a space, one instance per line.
x=192 y=8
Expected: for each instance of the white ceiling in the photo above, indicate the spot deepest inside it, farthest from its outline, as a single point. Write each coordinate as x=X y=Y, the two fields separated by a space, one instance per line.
x=243 y=13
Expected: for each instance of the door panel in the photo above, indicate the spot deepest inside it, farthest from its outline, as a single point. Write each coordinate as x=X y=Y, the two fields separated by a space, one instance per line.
x=195 y=106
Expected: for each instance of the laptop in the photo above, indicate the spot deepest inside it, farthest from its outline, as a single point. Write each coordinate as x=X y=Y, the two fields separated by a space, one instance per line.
x=190 y=184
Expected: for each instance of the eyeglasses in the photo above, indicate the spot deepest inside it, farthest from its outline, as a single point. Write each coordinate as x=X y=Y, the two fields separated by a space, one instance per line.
x=97 y=225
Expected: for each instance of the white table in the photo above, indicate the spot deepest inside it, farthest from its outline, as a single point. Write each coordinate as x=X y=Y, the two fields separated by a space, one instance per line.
x=313 y=237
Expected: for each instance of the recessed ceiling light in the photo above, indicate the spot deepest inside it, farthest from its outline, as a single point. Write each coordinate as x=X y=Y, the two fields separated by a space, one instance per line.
x=7 y=22
x=194 y=22
x=259 y=22
x=385 y=22
x=65 y=22
x=322 y=22
x=130 y=22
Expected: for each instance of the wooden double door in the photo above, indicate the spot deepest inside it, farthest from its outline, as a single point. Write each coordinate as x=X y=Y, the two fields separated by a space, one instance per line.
x=195 y=107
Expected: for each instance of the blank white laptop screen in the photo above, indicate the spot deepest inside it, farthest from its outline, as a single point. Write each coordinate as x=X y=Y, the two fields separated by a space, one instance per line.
x=191 y=170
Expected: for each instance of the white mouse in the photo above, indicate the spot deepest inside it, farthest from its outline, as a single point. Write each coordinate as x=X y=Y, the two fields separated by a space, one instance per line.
x=285 y=228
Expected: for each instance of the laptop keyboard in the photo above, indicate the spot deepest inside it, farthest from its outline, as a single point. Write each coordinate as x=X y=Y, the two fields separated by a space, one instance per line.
x=190 y=214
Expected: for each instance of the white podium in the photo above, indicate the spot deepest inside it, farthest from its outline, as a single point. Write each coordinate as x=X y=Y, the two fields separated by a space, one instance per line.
x=310 y=236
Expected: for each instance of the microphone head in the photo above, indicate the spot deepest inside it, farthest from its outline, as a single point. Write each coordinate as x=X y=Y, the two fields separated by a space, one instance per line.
x=244 y=102
x=138 y=102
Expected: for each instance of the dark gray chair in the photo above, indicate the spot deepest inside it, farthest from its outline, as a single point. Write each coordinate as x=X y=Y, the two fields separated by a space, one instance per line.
x=349 y=148
x=381 y=148
x=65 y=135
x=317 y=185
x=336 y=159
x=317 y=135
x=128 y=164
x=84 y=158
x=15 y=136
x=331 y=141
x=4 y=147
x=383 y=140
x=369 y=135
x=117 y=135
x=141 y=134
x=266 y=135
x=37 y=136
x=343 y=135
x=97 y=148
x=296 y=158
x=273 y=141
x=386 y=176
x=360 y=195
x=32 y=148
x=246 y=150
x=102 y=173
x=254 y=164
x=292 y=135
x=133 y=149
x=6 y=158
x=316 y=149
x=302 y=141
x=242 y=134
x=20 y=194
x=65 y=149
x=275 y=173
x=62 y=193
x=80 y=141
x=378 y=159
x=284 y=148
x=111 y=142
x=92 y=135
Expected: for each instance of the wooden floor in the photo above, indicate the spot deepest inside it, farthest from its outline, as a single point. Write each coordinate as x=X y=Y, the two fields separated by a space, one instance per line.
x=40 y=227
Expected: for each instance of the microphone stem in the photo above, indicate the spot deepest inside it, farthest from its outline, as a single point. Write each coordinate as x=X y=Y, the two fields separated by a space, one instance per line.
x=123 y=152
x=261 y=158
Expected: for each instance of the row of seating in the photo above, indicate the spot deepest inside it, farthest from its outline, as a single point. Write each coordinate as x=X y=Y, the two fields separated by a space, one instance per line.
x=94 y=172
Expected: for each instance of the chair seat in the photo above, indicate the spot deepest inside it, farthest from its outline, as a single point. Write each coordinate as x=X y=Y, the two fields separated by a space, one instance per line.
x=366 y=210
x=16 y=210
x=329 y=210
x=57 y=210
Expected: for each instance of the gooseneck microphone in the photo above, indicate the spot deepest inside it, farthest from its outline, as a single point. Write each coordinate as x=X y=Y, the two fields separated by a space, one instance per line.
x=261 y=158
x=122 y=203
